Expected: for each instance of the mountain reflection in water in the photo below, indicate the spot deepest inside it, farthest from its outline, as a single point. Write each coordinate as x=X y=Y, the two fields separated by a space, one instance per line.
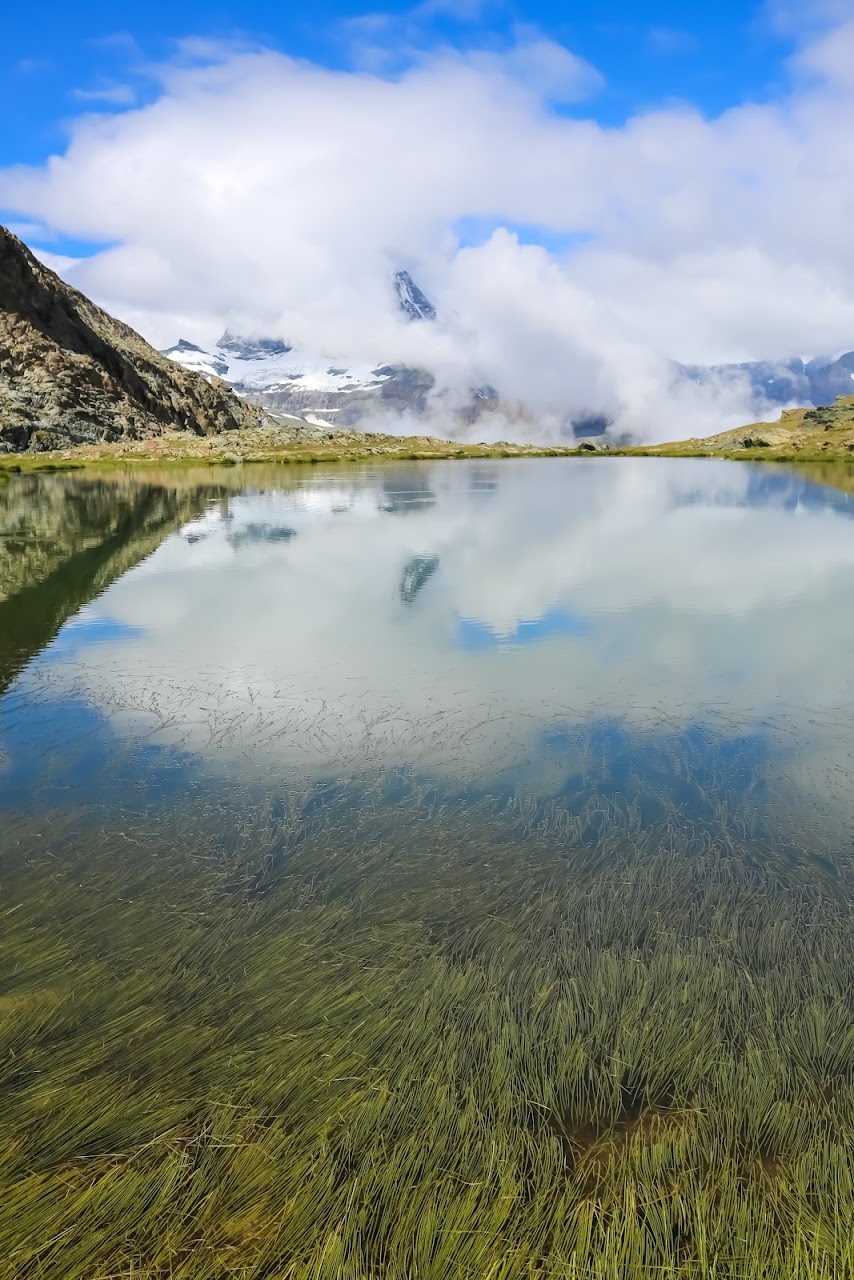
x=290 y=616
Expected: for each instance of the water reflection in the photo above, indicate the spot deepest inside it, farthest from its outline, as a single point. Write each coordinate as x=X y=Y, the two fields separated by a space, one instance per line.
x=417 y=572
x=64 y=539
x=292 y=619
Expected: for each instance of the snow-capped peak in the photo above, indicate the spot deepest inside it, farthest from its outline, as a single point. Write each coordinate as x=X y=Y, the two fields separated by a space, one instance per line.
x=412 y=302
x=210 y=364
x=240 y=348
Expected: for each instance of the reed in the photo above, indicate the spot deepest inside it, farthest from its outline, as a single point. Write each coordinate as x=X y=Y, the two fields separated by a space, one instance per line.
x=383 y=1035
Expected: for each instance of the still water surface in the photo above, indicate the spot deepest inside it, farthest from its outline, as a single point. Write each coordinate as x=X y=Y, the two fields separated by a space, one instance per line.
x=502 y=627
x=437 y=871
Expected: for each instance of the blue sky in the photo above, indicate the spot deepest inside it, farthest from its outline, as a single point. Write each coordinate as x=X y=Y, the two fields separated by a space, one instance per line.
x=56 y=57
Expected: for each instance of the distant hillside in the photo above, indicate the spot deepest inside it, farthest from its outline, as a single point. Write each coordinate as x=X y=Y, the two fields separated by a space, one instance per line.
x=71 y=374
x=826 y=431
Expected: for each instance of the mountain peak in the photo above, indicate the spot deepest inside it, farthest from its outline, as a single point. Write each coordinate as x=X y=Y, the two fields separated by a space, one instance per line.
x=412 y=302
x=251 y=348
x=182 y=345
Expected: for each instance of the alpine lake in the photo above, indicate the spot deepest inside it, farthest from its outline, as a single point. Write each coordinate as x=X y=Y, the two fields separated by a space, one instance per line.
x=427 y=872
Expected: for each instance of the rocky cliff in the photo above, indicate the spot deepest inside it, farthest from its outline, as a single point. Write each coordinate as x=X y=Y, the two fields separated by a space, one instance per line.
x=71 y=374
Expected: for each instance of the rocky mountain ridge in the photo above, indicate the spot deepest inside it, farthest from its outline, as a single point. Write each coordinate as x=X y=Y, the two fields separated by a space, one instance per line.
x=317 y=387
x=305 y=384
x=335 y=391
x=72 y=374
x=786 y=382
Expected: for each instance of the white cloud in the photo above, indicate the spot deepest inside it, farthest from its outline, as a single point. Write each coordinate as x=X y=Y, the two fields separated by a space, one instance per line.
x=830 y=57
x=115 y=95
x=275 y=195
x=547 y=68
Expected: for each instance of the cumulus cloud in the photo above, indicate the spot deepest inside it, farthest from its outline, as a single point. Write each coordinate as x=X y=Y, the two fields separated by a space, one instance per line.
x=274 y=195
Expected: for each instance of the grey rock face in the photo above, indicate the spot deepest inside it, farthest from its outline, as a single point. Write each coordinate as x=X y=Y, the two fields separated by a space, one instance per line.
x=831 y=378
x=819 y=381
x=395 y=388
x=411 y=300
x=71 y=374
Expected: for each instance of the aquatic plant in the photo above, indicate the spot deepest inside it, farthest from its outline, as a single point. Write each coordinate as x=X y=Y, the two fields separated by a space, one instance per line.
x=377 y=1032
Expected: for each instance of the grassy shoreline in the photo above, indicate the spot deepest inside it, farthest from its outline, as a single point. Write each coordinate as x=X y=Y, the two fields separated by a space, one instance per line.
x=252 y=446
x=802 y=437
x=15 y=464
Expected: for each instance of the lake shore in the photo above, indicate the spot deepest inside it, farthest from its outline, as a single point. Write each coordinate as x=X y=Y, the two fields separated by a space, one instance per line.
x=825 y=435
x=283 y=444
x=822 y=434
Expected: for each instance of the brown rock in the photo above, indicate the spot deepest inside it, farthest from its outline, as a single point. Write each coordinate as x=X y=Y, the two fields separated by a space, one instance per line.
x=72 y=374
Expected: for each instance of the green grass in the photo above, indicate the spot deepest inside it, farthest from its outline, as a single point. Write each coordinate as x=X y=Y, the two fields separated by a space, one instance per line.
x=386 y=449
x=409 y=1041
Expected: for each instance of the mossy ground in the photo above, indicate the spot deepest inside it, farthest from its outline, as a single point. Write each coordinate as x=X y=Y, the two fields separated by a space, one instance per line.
x=366 y=1037
x=269 y=445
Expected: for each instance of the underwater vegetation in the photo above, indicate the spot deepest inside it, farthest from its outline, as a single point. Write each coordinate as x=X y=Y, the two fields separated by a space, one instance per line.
x=387 y=1036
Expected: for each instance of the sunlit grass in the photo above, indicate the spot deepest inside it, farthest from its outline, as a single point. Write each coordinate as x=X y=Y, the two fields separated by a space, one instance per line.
x=416 y=1040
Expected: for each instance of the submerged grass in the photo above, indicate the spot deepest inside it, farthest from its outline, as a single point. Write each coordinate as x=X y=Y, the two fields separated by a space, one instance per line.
x=400 y=1040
